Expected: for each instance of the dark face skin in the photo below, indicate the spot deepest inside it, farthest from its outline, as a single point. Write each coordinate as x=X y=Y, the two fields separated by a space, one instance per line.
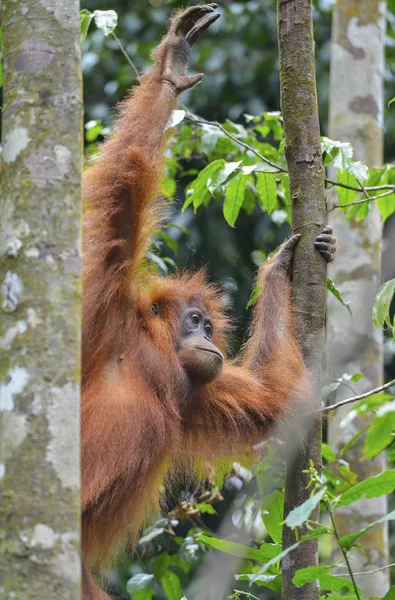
x=200 y=358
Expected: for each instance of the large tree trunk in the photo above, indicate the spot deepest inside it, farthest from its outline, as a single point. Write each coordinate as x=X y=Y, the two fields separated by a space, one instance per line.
x=306 y=173
x=353 y=344
x=40 y=312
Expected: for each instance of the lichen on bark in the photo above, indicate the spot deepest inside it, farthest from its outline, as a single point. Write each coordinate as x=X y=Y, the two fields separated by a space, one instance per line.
x=40 y=301
x=353 y=345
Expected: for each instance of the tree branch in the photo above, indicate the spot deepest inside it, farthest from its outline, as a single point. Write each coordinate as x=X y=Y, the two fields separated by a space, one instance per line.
x=126 y=55
x=377 y=390
x=336 y=533
x=371 y=572
x=368 y=199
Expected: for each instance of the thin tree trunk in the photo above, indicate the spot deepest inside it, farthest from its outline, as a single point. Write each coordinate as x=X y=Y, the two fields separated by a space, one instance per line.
x=40 y=301
x=353 y=344
x=303 y=153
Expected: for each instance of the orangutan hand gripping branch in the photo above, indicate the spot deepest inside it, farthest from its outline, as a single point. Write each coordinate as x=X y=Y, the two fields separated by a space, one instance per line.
x=157 y=386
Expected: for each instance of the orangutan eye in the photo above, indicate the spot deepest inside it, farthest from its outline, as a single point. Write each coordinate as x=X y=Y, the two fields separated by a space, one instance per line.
x=195 y=319
x=208 y=330
x=155 y=309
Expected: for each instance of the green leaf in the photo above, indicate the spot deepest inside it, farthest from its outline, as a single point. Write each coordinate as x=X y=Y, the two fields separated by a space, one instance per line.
x=327 y=581
x=265 y=551
x=92 y=130
x=345 y=195
x=352 y=440
x=106 y=20
x=373 y=487
x=206 y=508
x=145 y=594
x=383 y=176
x=85 y=20
x=340 y=153
x=382 y=304
x=332 y=583
x=347 y=541
x=221 y=176
x=234 y=198
x=271 y=582
x=151 y=535
x=359 y=170
x=328 y=453
x=171 y=585
x=138 y=582
x=253 y=297
x=309 y=574
x=267 y=191
x=336 y=597
x=380 y=432
x=197 y=193
x=390 y=595
x=333 y=289
x=273 y=504
x=173 y=245
x=301 y=513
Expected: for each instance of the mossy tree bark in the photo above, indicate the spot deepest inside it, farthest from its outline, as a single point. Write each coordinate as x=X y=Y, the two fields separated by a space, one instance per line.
x=353 y=344
x=40 y=301
x=306 y=174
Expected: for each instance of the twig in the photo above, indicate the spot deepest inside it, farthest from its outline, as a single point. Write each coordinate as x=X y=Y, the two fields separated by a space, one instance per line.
x=368 y=199
x=126 y=55
x=377 y=390
x=229 y=135
x=373 y=188
x=371 y=572
x=350 y=573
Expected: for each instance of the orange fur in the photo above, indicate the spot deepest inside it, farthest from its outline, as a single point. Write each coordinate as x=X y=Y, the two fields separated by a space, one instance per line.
x=139 y=410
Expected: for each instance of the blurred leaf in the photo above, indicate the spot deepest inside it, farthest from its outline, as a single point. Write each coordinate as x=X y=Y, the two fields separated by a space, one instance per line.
x=144 y=594
x=333 y=289
x=85 y=20
x=151 y=535
x=382 y=304
x=359 y=170
x=175 y=118
x=171 y=585
x=327 y=581
x=173 y=245
x=347 y=541
x=265 y=551
x=390 y=595
x=380 y=433
x=273 y=518
x=138 y=582
x=253 y=297
x=271 y=582
x=206 y=508
x=352 y=440
x=106 y=20
x=300 y=514
x=328 y=453
x=373 y=487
